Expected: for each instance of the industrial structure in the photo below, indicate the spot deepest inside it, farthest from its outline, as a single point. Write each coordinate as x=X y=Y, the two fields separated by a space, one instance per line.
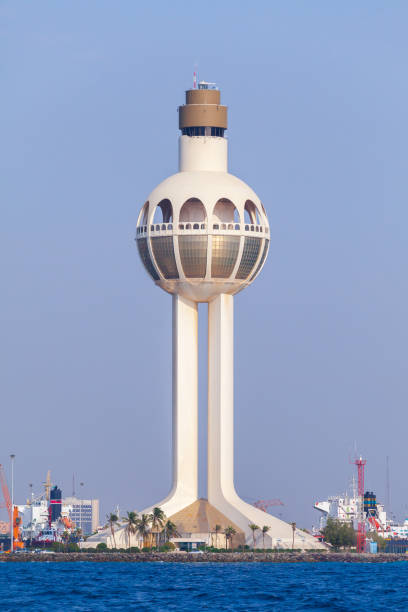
x=362 y=510
x=47 y=517
x=203 y=236
x=361 y=538
x=14 y=530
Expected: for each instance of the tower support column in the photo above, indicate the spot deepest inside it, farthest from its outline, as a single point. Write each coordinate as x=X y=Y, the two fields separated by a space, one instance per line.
x=220 y=399
x=221 y=489
x=184 y=489
x=185 y=399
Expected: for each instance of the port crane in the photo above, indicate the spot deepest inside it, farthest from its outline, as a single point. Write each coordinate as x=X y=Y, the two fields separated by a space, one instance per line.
x=47 y=485
x=12 y=512
x=264 y=504
x=6 y=493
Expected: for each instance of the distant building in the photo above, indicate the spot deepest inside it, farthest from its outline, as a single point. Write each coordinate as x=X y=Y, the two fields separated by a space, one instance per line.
x=4 y=528
x=83 y=512
x=397 y=546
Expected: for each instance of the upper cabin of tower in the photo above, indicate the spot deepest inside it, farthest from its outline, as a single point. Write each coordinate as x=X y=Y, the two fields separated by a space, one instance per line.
x=202 y=114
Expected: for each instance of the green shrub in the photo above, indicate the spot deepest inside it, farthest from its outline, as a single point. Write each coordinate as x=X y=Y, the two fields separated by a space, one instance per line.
x=339 y=534
x=167 y=547
x=102 y=547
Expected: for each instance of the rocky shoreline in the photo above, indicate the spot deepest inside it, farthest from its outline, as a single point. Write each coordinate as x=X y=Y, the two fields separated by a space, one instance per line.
x=247 y=557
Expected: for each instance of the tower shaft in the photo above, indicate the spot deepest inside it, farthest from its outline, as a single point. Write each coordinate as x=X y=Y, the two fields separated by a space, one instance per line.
x=185 y=400
x=220 y=472
x=184 y=490
x=203 y=154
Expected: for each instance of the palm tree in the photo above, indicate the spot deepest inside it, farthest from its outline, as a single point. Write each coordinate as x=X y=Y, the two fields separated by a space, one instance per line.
x=170 y=531
x=130 y=521
x=293 y=534
x=253 y=528
x=217 y=530
x=143 y=526
x=265 y=530
x=229 y=533
x=65 y=538
x=157 y=519
x=113 y=520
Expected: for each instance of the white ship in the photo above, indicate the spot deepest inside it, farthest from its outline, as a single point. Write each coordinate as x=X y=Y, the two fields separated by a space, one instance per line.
x=345 y=508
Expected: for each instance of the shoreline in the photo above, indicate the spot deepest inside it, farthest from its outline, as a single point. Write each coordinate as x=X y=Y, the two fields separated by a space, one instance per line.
x=247 y=557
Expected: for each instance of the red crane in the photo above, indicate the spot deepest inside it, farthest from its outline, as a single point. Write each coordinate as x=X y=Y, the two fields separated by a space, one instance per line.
x=14 y=518
x=6 y=494
x=361 y=537
x=264 y=504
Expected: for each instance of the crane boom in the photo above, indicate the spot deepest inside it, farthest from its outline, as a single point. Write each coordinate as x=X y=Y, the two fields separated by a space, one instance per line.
x=264 y=504
x=6 y=493
x=47 y=485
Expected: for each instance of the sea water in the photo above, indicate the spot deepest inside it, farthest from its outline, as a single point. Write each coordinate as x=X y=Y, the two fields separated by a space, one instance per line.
x=84 y=586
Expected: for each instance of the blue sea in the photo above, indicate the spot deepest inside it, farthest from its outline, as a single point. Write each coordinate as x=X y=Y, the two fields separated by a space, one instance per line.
x=89 y=586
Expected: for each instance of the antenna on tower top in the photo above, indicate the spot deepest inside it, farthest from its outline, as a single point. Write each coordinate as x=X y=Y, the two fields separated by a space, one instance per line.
x=194 y=79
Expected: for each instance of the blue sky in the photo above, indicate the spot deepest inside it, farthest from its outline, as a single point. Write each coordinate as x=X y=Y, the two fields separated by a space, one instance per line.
x=317 y=98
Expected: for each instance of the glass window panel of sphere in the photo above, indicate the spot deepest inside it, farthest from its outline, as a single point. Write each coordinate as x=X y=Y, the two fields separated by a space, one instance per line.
x=193 y=255
x=163 y=252
x=262 y=259
x=145 y=257
x=224 y=255
x=249 y=257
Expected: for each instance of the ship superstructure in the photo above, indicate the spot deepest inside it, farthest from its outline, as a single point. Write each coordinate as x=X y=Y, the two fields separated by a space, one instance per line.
x=346 y=509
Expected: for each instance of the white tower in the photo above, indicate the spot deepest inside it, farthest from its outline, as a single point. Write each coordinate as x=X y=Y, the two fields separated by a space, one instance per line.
x=203 y=236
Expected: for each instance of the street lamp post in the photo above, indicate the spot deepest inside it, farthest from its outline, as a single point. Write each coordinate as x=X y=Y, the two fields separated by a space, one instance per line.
x=80 y=514
x=31 y=508
x=12 y=457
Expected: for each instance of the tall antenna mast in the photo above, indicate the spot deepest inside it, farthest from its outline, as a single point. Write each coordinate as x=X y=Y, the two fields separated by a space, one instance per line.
x=387 y=484
x=195 y=79
x=73 y=485
x=354 y=487
x=361 y=538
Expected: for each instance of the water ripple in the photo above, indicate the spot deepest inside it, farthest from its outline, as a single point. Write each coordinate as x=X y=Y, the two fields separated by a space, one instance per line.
x=235 y=587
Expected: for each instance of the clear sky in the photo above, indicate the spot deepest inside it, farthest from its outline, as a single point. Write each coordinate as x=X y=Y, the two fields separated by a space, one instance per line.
x=318 y=97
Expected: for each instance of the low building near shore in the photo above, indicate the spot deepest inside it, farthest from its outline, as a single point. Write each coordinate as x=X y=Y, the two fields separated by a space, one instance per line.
x=4 y=527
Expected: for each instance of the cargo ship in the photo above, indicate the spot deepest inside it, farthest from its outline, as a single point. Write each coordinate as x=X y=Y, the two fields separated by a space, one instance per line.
x=345 y=508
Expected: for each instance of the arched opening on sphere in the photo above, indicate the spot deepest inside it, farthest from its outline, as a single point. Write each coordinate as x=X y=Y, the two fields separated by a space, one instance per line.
x=193 y=211
x=163 y=212
x=225 y=213
x=252 y=215
x=144 y=213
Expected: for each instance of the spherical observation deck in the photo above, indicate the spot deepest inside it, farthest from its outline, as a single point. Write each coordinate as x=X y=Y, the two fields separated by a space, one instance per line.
x=203 y=233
